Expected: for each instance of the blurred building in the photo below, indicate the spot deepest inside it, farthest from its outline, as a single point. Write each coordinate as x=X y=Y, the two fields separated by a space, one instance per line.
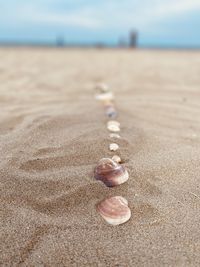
x=133 y=38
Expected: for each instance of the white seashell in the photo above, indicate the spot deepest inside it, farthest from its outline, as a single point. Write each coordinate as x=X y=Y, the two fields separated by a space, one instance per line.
x=116 y=158
x=115 y=135
x=113 y=123
x=114 y=210
x=114 y=147
x=113 y=126
x=110 y=172
x=105 y=96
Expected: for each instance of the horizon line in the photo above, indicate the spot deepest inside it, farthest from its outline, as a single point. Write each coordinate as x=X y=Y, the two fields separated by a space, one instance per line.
x=94 y=45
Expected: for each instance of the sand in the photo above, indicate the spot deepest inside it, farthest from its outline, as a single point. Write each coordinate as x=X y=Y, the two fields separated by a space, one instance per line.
x=52 y=134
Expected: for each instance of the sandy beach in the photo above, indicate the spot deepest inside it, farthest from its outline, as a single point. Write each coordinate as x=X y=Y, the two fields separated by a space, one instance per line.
x=53 y=133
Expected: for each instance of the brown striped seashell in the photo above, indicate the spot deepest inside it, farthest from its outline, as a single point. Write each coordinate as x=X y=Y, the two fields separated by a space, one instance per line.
x=110 y=172
x=114 y=210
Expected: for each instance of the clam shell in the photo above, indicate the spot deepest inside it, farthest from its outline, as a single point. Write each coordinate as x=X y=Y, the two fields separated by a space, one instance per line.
x=114 y=210
x=103 y=87
x=104 y=96
x=111 y=112
x=114 y=147
x=114 y=135
x=113 y=123
x=116 y=158
x=110 y=172
x=107 y=103
x=113 y=126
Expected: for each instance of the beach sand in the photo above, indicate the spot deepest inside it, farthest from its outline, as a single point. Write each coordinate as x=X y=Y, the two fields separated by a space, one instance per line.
x=52 y=134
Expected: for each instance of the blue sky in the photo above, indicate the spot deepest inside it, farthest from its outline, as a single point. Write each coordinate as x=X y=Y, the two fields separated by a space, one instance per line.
x=159 y=22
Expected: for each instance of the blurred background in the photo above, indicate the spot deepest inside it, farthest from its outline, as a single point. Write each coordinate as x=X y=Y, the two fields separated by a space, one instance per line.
x=144 y=23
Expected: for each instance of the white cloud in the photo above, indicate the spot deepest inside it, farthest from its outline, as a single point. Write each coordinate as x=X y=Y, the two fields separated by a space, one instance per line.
x=66 y=20
x=31 y=12
x=144 y=14
x=162 y=10
x=107 y=14
x=171 y=8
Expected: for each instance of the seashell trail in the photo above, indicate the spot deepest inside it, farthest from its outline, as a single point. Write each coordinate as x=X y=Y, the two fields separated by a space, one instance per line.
x=110 y=172
x=114 y=210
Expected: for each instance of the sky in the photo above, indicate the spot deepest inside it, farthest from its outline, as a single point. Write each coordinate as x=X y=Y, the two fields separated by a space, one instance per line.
x=158 y=22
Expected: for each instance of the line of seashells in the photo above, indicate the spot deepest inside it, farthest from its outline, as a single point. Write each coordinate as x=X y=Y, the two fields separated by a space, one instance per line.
x=110 y=171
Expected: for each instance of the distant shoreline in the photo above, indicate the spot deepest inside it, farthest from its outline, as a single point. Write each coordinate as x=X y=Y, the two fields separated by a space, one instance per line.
x=98 y=45
x=94 y=46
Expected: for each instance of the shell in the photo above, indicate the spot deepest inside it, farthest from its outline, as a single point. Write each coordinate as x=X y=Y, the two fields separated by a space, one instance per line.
x=113 y=126
x=102 y=87
x=114 y=135
x=104 y=96
x=114 y=210
x=111 y=112
x=114 y=123
x=107 y=103
x=110 y=172
x=114 y=147
x=116 y=158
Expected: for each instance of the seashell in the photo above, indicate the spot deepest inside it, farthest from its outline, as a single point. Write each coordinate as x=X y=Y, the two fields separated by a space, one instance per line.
x=104 y=96
x=114 y=147
x=110 y=172
x=114 y=210
x=116 y=158
x=108 y=103
x=113 y=126
x=114 y=123
x=111 y=112
x=102 y=87
x=115 y=135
